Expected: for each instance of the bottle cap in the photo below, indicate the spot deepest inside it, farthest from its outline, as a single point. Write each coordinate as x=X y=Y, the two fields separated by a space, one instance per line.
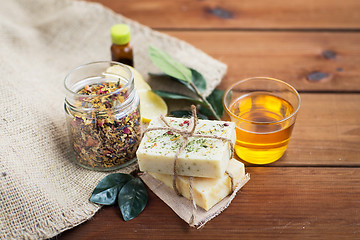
x=120 y=34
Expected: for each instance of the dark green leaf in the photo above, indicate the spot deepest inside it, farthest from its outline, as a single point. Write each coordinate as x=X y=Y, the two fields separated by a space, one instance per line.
x=163 y=75
x=106 y=191
x=171 y=95
x=160 y=75
x=168 y=65
x=215 y=99
x=198 y=80
x=184 y=113
x=132 y=199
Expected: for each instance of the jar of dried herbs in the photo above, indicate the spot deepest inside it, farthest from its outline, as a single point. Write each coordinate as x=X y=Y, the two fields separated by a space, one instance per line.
x=102 y=114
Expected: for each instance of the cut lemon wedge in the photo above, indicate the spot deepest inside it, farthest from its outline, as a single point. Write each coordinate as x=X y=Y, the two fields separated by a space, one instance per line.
x=151 y=106
x=140 y=83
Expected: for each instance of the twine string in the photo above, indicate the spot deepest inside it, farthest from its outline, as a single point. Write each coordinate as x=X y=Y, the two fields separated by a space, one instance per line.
x=232 y=185
x=185 y=134
x=192 y=200
x=183 y=145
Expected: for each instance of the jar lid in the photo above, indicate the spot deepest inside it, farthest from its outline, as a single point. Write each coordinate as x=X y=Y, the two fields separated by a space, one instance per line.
x=120 y=34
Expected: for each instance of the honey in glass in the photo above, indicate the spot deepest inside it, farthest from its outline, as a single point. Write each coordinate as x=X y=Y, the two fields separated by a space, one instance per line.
x=264 y=120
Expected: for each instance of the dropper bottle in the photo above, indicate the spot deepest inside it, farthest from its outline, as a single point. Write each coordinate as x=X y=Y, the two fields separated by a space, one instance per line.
x=121 y=50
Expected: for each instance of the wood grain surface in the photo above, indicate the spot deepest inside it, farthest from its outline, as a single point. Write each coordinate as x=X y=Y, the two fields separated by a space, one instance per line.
x=310 y=61
x=313 y=191
x=326 y=132
x=244 y=14
x=281 y=202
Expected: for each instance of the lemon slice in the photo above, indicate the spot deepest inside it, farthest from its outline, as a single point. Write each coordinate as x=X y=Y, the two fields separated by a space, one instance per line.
x=151 y=106
x=140 y=83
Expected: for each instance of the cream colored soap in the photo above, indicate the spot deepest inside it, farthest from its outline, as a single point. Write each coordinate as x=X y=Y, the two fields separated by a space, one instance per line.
x=202 y=157
x=207 y=191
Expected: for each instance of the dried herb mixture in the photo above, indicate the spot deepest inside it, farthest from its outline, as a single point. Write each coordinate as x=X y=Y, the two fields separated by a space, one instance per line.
x=102 y=136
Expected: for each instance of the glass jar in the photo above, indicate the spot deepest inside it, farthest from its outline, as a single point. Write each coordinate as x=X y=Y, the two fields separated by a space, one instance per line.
x=102 y=114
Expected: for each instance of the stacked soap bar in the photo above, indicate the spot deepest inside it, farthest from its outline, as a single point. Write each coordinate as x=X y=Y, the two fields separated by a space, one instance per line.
x=202 y=157
x=206 y=191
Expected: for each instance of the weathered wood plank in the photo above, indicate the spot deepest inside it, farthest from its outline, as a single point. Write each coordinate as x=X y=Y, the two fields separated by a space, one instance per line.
x=326 y=132
x=309 y=61
x=280 y=203
x=247 y=14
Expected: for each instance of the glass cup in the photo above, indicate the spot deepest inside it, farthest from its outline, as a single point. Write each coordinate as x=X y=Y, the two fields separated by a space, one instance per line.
x=264 y=112
x=103 y=115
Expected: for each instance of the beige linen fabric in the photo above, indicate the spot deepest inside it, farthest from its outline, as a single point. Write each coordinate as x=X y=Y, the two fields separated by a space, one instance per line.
x=42 y=193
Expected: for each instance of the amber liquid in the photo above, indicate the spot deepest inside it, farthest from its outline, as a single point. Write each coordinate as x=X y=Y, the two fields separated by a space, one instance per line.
x=122 y=54
x=260 y=137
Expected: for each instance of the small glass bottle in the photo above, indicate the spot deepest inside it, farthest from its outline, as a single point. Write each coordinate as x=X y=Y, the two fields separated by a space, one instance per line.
x=121 y=50
x=102 y=114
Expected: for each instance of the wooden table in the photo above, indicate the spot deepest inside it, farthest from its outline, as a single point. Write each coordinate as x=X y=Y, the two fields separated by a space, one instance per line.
x=313 y=192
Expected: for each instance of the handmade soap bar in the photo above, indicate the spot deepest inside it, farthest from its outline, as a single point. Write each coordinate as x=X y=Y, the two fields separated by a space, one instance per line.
x=202 y=157
x=207 y=191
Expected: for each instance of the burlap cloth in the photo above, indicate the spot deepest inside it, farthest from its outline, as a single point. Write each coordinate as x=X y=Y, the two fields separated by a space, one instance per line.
x=42 y=193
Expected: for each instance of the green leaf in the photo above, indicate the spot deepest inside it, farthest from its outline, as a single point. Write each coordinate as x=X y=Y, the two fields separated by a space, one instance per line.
x=215 y=99
x=198 y=80
x=163 y=75
x=106 y=191
x=168 y=65
x=132 y=199
x=185 y=113
x=171 y=95
x=160 y=75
